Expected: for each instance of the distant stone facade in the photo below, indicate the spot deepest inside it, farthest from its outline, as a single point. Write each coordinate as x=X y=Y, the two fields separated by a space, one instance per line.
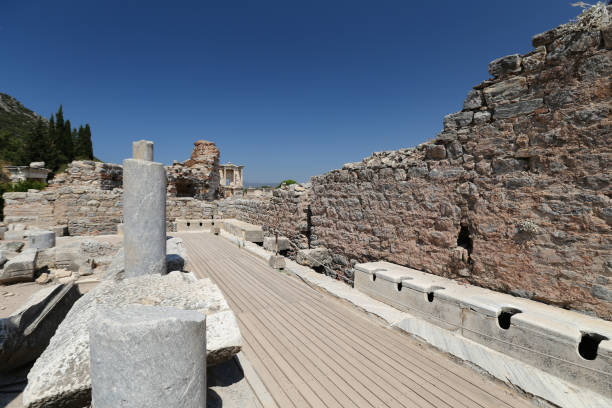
x=231 y=180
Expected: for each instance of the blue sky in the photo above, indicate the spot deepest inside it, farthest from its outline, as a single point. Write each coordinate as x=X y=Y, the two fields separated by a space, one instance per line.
x=289 y=89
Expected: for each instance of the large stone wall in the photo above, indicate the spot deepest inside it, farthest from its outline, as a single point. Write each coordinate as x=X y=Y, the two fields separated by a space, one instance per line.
x=85 y=173
x=287 y=212
x=513 y=195
x=88 y=211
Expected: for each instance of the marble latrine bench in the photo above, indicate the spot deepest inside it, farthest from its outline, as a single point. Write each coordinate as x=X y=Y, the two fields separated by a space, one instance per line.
x=193 y=225
x=244 y=230
x=566 y=344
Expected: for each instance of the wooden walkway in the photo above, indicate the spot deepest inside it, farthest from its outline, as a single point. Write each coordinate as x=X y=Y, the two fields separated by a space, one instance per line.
x=311 y=350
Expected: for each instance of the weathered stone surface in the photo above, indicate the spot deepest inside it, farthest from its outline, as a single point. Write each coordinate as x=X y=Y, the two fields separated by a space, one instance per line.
x=61 y=376
x=436 y=152
x=14 y=235
x=606 y=33
x=21 y=268
x=132 y=364
x=277 y=262
x=197 y=177
x=26 y=333
x=269 y=243
x=518 y=108
x=504 y=65
x=176 y=258
x=11 y=246
x=505 y=91
x=3 y=259
x=315 y=257
x=144 y=217
x=473 y=100
x=142 y=150
x=42 y=239
x=457 y=120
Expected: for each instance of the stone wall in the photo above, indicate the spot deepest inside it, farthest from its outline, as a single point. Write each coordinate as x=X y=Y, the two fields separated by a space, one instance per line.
x=287 y=212
x=513 y=195
x=85 y=173
x=88 y=211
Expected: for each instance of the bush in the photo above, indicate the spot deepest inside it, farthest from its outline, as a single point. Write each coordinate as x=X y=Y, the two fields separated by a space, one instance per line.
x=287 y=182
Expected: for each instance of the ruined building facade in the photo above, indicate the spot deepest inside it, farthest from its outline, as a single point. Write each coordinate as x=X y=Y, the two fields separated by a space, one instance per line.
x=513 y=195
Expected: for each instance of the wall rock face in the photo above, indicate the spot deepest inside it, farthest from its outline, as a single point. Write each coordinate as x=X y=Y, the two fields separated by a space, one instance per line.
x=85 y=173
x=197 y=177
x=287 y=212
x=513 y=195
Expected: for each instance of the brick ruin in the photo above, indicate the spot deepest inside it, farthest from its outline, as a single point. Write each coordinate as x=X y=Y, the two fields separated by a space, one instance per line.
x=197 y=177
x=513 y=194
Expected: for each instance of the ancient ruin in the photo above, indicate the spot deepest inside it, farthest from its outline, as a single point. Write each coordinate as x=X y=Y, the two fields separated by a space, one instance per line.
x=490 y=243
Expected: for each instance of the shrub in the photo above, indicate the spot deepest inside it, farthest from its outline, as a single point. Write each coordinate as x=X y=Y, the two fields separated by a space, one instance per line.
x=287 y=182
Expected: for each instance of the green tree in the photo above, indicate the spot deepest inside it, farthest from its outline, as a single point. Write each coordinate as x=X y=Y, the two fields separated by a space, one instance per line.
x=37 y=144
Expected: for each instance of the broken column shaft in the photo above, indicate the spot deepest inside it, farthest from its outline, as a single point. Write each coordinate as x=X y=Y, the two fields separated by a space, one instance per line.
x=143 y=356
x=144 y=213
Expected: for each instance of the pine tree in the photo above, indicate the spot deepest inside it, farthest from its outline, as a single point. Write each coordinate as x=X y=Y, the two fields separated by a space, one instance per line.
x=80 y=147
x=88 y=142
x=67 y=144
x=37 y=144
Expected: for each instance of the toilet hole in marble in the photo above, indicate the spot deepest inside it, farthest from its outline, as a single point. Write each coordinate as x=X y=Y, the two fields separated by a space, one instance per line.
x=430 y=293
x=589 y=343
x=505 y=316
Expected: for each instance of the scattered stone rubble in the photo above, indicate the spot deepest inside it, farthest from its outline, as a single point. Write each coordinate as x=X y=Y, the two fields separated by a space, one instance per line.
x=61 y=374
x=25 y=334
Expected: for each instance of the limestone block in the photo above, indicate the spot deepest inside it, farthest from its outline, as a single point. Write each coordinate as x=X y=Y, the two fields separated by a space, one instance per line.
x=144 y=212
x=46 y=258
x=505 y=65
x=14 y=235
x=132 y=364
x=61 y=376
x=566 y=344
x=60 y=230
x=277 y=262
x=193 y=224
x=313 y=257
x=436 y=152
x=176 y=257
x=67 y=258
x=518 y=108
x=269 y=243
x=26 y=332
x=3 y=229
x=473 y=100
x=11 y=246
x=21 y=268
x=142 y=150
x=42 y=239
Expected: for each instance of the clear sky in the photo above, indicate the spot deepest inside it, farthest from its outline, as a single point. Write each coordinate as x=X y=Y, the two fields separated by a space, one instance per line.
x=289 y=89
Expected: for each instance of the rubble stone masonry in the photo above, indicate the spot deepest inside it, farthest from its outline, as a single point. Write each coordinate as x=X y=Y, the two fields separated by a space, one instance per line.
x=513 y=195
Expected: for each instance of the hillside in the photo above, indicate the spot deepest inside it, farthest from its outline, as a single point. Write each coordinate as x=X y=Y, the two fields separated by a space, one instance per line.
x=16 y=122
x=25 y=137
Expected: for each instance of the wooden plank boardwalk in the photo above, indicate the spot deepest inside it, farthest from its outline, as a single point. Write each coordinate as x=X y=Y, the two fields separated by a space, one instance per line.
x=312 y=350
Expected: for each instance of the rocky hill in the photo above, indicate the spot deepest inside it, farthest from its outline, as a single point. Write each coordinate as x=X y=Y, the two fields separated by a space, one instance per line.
x=16 y=122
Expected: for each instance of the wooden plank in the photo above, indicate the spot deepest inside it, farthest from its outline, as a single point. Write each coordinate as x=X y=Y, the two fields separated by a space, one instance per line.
x=310 y=349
